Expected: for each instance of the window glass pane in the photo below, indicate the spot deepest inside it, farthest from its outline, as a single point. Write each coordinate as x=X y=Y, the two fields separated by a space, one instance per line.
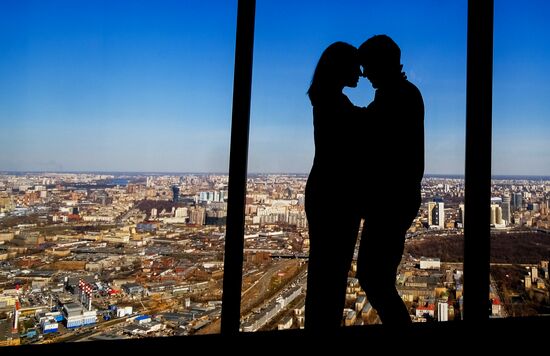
x=115 y=125
x=521 y=160
x=290 y=37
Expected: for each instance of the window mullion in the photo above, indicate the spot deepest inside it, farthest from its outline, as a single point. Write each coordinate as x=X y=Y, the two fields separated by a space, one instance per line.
x=234 y=237
x=478 y=160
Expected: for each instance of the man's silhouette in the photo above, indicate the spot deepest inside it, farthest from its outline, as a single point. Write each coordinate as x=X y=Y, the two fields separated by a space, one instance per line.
x=393 y=158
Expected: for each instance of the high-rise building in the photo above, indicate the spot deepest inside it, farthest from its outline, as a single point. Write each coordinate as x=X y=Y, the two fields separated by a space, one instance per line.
x=544 y=207
x=506 y=212
x=215 y=196
x=206 y=196
x=496 y=215
x=197 y=216
x=431 y=206
x=534 y=274
x=180 y=213
x=461 y=213
x=517 y=201
x=442 y=311
x=176 y=194
x=436 y=214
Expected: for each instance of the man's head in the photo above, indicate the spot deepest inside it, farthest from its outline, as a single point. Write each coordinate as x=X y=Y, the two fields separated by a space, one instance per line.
x=380 y=57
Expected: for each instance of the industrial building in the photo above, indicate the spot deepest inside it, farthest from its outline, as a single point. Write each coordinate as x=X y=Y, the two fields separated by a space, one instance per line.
x=76 y=316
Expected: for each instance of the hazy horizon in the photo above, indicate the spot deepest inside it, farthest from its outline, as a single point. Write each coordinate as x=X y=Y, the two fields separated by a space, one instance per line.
x=123 y=173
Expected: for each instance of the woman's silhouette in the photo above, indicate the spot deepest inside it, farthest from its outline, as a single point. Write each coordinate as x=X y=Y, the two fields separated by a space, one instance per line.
x=333 y=227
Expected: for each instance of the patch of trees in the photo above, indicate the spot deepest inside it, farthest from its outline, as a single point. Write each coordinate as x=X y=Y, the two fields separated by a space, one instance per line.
x=523 y=247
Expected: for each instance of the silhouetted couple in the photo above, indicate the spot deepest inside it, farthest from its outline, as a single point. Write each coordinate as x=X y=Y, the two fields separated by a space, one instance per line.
x=368 y=164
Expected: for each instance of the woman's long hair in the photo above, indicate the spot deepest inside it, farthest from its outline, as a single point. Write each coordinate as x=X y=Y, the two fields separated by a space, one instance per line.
x=334 y=62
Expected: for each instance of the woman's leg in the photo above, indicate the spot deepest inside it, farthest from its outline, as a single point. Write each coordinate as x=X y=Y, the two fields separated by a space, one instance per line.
x=332 y=243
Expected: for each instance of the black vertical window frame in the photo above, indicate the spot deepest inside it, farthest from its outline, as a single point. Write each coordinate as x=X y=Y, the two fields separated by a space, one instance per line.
x=240 y=124
x=478 y=160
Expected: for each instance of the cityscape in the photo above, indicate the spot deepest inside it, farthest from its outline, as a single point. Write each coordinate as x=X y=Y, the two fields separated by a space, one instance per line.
x=99 y=97
x=104 y=256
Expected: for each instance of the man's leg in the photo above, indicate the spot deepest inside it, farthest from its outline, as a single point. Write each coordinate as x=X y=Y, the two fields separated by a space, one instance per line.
x=380 y=253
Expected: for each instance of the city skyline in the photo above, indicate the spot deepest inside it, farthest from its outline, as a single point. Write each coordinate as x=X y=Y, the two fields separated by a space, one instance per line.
x=88 y=257
x=252 y=174
x=143 y=86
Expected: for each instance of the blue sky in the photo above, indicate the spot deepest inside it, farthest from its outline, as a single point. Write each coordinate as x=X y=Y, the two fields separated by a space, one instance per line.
x=147 y=85
x=521 y=91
